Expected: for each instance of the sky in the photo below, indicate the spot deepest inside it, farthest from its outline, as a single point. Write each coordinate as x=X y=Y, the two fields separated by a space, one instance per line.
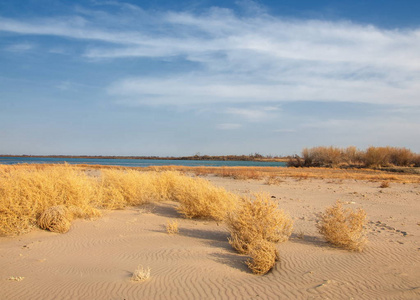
x=175 y=78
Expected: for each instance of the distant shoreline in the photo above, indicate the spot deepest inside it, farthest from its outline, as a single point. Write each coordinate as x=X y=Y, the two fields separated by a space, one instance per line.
x=195 y=157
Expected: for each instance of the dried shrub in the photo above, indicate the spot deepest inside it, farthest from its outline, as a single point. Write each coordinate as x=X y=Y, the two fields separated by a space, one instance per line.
x=29 y=190
x=273 y=180
x=384 y=184
x=352 y=156
x=122 y=188
x=55 y=219
x=416 y=160
x=244 y=174
x=377 y=157
x=322 y=156
x=26 y=192
x=295 y=161
x=401 y=156
x=141 y=274
x=257 y=219
x=198 y=198
x=343 y=227
x=172 y=227
x=263 y=256
x=373 y=157
x=16 y=278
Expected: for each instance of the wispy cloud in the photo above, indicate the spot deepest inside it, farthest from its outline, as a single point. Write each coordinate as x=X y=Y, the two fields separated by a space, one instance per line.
x=254 y=58
x=20 y=47
x=253 y=113
x=285 y=130
x=228 y=126
x=64 y=86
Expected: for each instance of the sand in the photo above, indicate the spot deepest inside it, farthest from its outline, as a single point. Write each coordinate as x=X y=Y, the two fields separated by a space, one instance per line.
x=96 y=259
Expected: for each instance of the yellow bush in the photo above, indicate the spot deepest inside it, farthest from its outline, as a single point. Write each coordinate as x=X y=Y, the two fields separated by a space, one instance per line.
x=141 y=274
x=121 y=188
x=263 y=257
x=257 y=219
x=198 y=198
x=56 y=219
x=28 y=191
x=25 y=193
x=343 y=227
x=172 y=227
x=384 y=184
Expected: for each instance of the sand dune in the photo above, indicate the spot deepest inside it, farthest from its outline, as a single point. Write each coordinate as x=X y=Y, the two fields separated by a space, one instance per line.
x=95 y=259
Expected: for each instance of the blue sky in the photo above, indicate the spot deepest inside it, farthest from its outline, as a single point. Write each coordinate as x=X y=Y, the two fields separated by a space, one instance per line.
x=215 y=77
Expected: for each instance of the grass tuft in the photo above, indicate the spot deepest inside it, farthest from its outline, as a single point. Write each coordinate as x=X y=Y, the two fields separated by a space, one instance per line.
x=272 y=179
x=384 y=184
x=172 y=227
x=343 y=227
x=141 y=274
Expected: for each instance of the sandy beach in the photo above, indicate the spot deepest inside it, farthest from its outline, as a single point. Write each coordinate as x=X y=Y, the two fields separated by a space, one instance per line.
x=96 y=258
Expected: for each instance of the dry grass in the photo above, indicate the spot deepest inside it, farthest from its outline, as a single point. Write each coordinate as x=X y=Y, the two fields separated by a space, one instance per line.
x=124 y=188
x=343 y=228
x=25 y=193
x=303 y=173
x=257 y=219
x=28 y=191
x=384 y=184
x=198 y=198
x=172 y=227
x=263 y=256
x=16 y=278
x=141 y=274
x=55 y=219
x=272 y=179
x=377 y=175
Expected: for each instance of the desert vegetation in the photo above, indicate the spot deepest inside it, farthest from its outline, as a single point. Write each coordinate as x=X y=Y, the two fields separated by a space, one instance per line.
x=343 y=228
x=255 y=226
x=263 y=256
x=172 y=227
x=199 y=199
x=56 y=219
x=52 y=196
x=274 y=175
x=372 y=157
x=141 y=274
x=25 y=194
x=384 y=184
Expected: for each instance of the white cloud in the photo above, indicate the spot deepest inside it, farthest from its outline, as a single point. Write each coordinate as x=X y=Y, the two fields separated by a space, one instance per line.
x=283 y=130
x=20 y=47
x=228 y=126
x=64 y=86
x=253 y=58
x=253 y=113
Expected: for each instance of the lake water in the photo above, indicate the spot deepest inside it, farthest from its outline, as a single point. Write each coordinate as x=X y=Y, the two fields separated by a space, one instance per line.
x=136 y=162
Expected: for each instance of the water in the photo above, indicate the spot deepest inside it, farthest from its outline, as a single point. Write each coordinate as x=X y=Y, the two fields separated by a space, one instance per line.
x=136 y=162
